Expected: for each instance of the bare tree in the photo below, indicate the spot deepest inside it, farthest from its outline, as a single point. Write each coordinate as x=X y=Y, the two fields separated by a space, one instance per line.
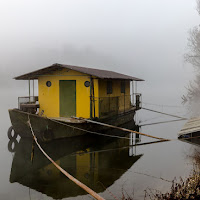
x=193 y=57
x=198 y=6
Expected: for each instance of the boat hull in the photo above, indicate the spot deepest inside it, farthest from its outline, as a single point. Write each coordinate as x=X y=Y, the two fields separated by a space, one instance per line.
x=47 y=129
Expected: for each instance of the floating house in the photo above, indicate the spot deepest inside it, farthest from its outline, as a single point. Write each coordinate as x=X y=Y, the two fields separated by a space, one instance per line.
x=66 y=91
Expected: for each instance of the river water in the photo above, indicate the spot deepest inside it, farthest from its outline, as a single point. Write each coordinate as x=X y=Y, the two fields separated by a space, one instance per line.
x=107 y=165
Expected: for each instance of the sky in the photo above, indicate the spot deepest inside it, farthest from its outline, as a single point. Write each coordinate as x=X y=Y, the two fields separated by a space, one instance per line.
x=141 y=38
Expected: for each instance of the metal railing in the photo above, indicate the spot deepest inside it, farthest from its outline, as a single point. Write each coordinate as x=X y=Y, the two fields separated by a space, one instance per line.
x=136 y=100
x=109 y=106
x=27 y=100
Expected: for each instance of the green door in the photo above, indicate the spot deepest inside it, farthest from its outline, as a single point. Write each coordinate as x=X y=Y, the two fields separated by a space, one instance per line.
x=67 y=98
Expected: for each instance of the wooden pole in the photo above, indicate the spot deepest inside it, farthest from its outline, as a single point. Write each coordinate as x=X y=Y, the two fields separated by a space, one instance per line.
x=93 y=96
x=120 y=128
x=90 y=97
x=132 y=92
x=83 y=186
x=29 y=90
x=33 y=88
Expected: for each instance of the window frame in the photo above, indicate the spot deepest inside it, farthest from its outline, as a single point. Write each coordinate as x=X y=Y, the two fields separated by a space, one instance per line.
x=109 y=87
x=123 y=86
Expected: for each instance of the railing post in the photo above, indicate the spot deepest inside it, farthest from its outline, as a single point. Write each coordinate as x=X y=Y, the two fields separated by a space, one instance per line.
x=124 y=102
x=90 y=97
x=109 y=104
x=137 y=101
x=133 y=93
x=29 y=88
x=33 y=89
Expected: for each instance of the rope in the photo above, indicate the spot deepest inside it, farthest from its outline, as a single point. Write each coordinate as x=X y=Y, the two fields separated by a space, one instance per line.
x=93 y=132
x=164 y=113
x=172 y=106
x=120 y=128
x=83 y=186
x=176 y=120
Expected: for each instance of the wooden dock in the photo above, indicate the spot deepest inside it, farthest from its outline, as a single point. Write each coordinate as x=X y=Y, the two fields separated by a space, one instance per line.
x=190 y=128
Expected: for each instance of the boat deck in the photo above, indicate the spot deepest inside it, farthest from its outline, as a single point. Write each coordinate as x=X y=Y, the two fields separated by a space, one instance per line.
x=68 y=120
x=193 y=125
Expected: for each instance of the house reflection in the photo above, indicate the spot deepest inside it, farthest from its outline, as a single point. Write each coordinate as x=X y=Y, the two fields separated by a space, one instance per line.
x=96 y=161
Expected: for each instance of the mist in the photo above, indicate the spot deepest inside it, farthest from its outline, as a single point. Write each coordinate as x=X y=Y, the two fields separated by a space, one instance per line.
x=145 y=39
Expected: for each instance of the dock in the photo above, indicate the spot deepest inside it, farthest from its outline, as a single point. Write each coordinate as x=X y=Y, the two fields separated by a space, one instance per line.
x=191 y=128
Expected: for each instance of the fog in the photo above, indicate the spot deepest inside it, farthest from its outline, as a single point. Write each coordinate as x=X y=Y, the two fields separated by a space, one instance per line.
x=142 y=38
x=145 y=39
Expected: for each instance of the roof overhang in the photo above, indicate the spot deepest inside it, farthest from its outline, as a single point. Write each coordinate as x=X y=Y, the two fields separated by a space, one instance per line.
x=101 y=74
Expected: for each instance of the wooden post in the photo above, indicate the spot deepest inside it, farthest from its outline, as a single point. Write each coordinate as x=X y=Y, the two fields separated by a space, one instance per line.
x=124 y=102
x=137 y=101
x=135 y=86
x=29 y=89
x=33 y=88
x=132 y=92
x=90 y=97
x=93 y=96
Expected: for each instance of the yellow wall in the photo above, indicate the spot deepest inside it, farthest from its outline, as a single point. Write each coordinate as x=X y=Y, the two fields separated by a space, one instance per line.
x=49 y=96
x=116 y=92
x=87 y=168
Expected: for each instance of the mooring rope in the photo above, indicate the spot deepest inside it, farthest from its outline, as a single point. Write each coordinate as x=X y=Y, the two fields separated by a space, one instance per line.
x=93 y=132
x=170 y=106
x=83 y=186
x=120 y=128
x=176 y=120
x=102 y=134
x=164 y=113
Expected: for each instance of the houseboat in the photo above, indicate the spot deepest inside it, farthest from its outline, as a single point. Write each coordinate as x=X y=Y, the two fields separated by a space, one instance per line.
x=69 y=94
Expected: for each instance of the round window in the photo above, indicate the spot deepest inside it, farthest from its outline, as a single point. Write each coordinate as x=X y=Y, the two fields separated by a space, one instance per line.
x=48 y=83
x=87 y=83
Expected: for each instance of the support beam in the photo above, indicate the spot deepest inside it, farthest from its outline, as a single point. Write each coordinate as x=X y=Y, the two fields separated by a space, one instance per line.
x=90 y=97
x=29 y=90
x=33 y=88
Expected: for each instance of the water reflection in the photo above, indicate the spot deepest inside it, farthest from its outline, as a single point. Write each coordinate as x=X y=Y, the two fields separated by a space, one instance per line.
x=85 y=157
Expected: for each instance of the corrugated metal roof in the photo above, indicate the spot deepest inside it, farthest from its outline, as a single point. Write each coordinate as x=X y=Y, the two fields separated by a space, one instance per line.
x=102 y=74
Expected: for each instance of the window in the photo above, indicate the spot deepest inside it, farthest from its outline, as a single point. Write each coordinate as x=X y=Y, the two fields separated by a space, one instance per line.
x=48 y=83
x=123 y=86
x=109 y=87
x=87 y=83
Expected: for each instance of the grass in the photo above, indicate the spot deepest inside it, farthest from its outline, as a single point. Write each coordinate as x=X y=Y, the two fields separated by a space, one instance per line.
x=188 y=188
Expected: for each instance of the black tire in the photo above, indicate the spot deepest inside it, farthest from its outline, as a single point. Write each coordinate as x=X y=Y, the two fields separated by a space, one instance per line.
x=10 y=147
x=9 y=133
